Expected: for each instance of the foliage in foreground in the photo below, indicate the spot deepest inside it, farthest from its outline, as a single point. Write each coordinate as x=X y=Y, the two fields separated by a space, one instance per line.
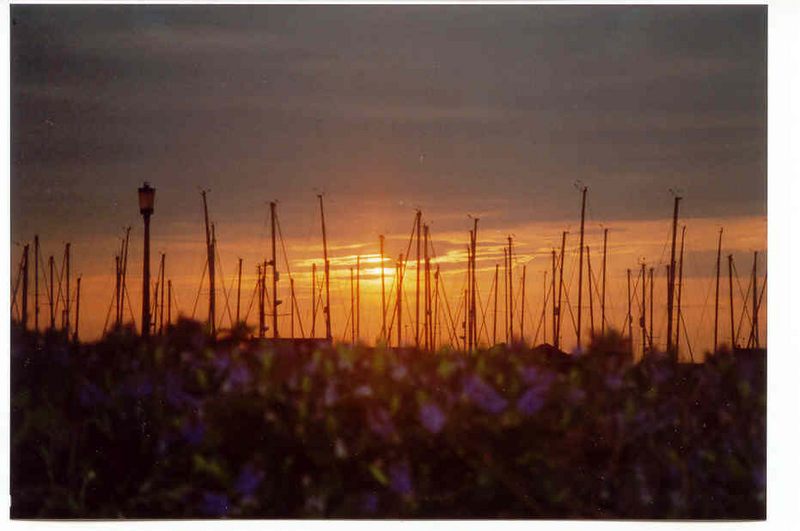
x=189 y=428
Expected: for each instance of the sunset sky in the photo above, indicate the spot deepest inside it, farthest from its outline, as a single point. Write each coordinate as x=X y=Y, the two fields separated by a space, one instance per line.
x=489 y=111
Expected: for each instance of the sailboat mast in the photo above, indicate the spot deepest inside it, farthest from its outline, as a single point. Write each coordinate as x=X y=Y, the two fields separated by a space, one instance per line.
x=313 y=299
x=25 y=287
x=522 y=308
x=494 y=320
x=730 y=293
x=161 y=312
x=643 y=320
x=555 y=303
x=754 y=333
x=716 y=293
x=399 y=302
x=238 y=294
x=629 y=318
x=580 y=266
x=52 y=294
x=591 y=294
x=211 y=326
x=327 y=309
x=358 y=296
x=680 y=290
x=510 y=291
x=77 y=309
x=560 y=287
x=671 y=279
x=383 y=292
x=416 y=297
x=603 y=288
x=36 y=282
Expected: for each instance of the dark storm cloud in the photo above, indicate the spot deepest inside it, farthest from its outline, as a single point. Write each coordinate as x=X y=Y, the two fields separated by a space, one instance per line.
x=501 y=105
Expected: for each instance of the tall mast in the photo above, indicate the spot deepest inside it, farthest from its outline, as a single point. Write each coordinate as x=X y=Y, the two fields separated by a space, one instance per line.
x=629 y=318
x=124 y=272
x=52 y=294
x=383 y=293
x=505 y=291
x=274 y=264
x=603 y=289
x=643 y=320
x=260 y=288
x=77 y=309
x=291 y=307
x=651 y=309
x=522 y=308
x=36 y=282
x=467 y=294
x=352 y=309
x=313 y=299
x=472 y=287
x=238 y=293
x=730 y=293
x=419 y=250
x=544 y=308
x=67 y=297
x=671 y=279
x=680 y=290
x=510 y=292
x=435 y=331
x=580 y=266
x=169 y=304
x=327 y=309
x=118 y=290
x=754 y=333
x=591 y=293
x=555 y=303
x=716 y=292
x=25 y=288
x=560 y=287
x=211 y=326
x=399 y=302
x=494 y=320
x=358 y=297
x=427 y=327
x=161 y=313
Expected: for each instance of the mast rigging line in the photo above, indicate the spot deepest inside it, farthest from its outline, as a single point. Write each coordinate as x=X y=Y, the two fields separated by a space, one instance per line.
x=288 y=271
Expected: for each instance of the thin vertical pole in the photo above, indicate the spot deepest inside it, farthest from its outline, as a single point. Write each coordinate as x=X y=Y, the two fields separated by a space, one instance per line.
x=435 y=309
x=510 y=291
x=399 y=302
x=555 y=303
x=544 y=307
x=427 y=327
x=716 y=293
x=313 y=299
x=603 y=288
x=522 y=308
x=25 y=288
x=169 y=304
x=352 y=308
x=467 y=294
x=580 y=266
x=651 y=309
x=260 y=287
x=291 y=308
x=419 y=250
x=36 y=282
x=730 y=293
x=211 y=326
x=629 y=319
x=118 y=290
x=494 y=320
x=67 y=297
x=123 y=282
x=643 y=320
x=327 y=309
x=591 y=293
x=274 y=264
x=560 y=287
x=754 y=333
x=358 y=297
x=146 y=279
x=671 y=280
x=161 y=312
x=505 y=290
x=680 y=291
x=77 y=309
x=473 y=283
x=52 y=295
x=383 y=293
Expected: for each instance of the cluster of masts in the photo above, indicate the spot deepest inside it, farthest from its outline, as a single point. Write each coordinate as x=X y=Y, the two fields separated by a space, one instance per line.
x=430 y=301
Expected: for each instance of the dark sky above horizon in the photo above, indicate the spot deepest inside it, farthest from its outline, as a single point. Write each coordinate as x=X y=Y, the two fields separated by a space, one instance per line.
x=468 y=108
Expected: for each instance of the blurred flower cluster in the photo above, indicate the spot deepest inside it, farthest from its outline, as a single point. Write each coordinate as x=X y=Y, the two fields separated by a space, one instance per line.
x=185 y=427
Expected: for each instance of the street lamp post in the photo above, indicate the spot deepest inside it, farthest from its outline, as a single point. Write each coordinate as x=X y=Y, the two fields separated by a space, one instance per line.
x=147 y=198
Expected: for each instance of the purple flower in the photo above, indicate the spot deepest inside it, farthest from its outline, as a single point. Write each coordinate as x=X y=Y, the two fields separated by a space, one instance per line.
x=238 y=378
x=248 y=480
x=214 y=504
x=398 y=372
x=432 y=417
x=535 y=376
x=400 y=478
x=370 y=503
x=531 y=401
x=193 y=432
x=484 y=396
x=380 y=422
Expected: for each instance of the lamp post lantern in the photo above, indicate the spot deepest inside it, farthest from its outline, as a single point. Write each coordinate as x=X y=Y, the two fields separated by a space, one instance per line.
x=147 y=198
